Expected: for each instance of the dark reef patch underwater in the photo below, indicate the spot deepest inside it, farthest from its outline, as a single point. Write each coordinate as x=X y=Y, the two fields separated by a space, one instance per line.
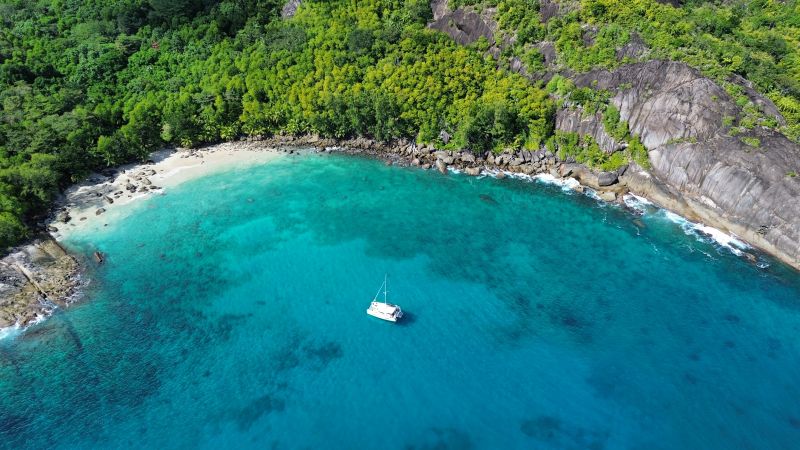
x=231 y=312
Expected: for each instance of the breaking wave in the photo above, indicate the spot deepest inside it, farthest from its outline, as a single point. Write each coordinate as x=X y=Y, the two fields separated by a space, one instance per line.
x=708 y=234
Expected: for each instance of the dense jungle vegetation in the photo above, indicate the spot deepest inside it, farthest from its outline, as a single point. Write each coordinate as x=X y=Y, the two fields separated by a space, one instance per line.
x=758 y=40
x=95 y=83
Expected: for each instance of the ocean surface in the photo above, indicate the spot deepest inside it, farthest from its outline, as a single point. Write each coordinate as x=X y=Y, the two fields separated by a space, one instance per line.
x=231 y=314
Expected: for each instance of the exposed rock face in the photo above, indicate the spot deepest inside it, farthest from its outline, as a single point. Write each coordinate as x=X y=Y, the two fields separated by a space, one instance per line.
x=634 y=49
x=679 y=115
x=290 y=8
x=763 y=103
x=606 y=178
x=439 y=9
x=556 y=8
x=441 y=166
x=464 y=25
x=665 y=101
x=34 y=280
x=737 y=187
x=573 y=120
x=698 y=169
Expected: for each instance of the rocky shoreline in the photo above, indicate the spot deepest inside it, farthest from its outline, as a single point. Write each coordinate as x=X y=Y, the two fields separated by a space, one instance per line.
x=607 y=186
x=39 y=277
x=35 y=280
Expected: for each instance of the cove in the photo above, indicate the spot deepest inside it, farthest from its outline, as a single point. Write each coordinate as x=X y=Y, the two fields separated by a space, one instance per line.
x=231 y=312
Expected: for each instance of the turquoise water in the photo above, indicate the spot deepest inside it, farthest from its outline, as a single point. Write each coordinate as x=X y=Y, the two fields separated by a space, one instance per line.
x=231 y=313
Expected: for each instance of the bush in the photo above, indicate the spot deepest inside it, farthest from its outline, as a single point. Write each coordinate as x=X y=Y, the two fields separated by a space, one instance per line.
x=638 y=153
x=751 y=141
x=613 y=125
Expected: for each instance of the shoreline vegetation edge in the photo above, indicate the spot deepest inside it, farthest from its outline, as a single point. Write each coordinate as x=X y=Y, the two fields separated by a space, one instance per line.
x=41 y=276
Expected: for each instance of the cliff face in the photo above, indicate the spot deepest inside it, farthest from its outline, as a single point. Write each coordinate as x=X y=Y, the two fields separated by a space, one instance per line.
x=750 y=188
x=664 y=101
x=749 y=191
x=464 y=25
x=574 y=120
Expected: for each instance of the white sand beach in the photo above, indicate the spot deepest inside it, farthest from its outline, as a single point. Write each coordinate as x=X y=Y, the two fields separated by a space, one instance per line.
x=102 y=197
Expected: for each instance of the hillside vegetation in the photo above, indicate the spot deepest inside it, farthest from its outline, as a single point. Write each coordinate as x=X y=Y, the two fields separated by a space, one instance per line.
x=91 y=84
x=758 y=40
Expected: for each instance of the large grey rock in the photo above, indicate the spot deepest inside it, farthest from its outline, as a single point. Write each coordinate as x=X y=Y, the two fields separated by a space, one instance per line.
x=700 y=171
x=441 y=154
x=467 y=157
x=473 y=171
x=745 y=190
x=441 y=166
x=290 y=8
x=573 y=120
x=606 y=178
x=664 y=101
x=464 y=25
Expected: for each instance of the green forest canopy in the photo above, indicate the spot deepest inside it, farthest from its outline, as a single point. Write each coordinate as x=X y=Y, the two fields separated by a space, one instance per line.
x=90 y=84
x=755 y=39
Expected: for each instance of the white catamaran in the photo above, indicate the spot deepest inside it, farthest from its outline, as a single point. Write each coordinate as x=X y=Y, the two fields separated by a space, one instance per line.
x=384 y=310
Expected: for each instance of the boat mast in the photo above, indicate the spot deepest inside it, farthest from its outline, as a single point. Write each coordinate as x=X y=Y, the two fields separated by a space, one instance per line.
x=385 y=287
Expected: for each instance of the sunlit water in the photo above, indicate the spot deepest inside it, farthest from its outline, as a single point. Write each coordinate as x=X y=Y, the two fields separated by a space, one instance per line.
x=231 y=312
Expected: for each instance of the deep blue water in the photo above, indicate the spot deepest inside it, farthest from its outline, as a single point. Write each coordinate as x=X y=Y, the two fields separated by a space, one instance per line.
x=231 y=313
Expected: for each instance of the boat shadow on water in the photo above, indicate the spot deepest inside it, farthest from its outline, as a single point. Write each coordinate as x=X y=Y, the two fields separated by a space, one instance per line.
x=407 y=320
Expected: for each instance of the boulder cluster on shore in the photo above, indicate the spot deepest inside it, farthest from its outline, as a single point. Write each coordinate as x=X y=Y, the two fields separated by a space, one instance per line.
x=609 y=185
x=35 y=280
x=107 y=187
x=41 y=276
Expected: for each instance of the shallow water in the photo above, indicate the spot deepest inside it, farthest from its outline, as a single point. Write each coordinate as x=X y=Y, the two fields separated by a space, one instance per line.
x=230 y=312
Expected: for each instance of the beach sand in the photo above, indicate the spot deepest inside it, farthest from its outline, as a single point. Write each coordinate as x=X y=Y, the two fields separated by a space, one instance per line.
x=102 y=197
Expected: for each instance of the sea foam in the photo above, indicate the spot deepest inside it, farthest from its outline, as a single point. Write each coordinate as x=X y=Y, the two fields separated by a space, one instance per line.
x=708 y=234
x=10 y=332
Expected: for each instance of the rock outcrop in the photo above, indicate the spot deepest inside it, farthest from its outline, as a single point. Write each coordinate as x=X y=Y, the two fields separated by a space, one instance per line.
x=664 y=101
x=748 y=187
x=464 y=25
x=750 y=192
x=290 y=8
x=574 y=120
x=34 y=280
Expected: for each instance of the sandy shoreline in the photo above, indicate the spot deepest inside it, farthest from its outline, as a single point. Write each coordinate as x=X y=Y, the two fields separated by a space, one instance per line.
x=110 y=196
x=104 y=196
x=41 y=276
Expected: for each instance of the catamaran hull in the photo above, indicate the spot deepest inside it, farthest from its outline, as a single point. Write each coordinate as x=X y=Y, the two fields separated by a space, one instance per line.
x=384 y=316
